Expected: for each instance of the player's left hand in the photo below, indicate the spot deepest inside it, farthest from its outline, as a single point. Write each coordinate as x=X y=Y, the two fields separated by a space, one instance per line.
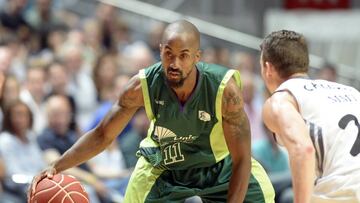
x=46 y=173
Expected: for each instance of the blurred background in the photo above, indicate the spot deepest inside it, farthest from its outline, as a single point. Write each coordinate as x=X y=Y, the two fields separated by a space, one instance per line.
x=67 y=61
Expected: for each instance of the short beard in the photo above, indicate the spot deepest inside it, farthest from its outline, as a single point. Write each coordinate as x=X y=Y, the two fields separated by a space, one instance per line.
x=176 y=84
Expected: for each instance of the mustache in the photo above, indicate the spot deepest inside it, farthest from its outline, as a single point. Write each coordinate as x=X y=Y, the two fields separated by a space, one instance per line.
x=173 y=70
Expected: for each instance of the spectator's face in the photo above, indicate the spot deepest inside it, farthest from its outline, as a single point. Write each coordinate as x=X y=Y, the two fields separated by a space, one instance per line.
x=107 y=72
x=74 y=61
x=5 y=59
x=59 y=115
x=327 y=74
x=244 y=61
x=56 y=39
x=58 y=79
x=155 y=35
x=209 y=55
x=179 y=56
x=105 y=12
x=36 y=82
x=223 y=55
x=92 y=33
x=11 y=90
x=20 y=118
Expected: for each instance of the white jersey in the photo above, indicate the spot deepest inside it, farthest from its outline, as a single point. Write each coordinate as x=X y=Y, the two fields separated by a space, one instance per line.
x=332 y=113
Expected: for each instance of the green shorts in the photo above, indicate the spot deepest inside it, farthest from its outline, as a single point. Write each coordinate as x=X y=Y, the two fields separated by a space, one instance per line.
x=149 y=184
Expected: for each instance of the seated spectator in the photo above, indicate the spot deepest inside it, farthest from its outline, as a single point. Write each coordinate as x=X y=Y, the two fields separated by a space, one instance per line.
x=154 y=38
x=104 y=75
x=11 y=92
x=58 y=137
x=6 y=57
x=58 y=80
x=18 y=147
x=81 y=85
x=327 y=72
x=42 y=17
x=33 y=94
x=134 y=57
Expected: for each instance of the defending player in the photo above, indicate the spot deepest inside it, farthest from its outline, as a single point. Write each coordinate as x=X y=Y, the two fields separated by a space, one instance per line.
x=316 y=120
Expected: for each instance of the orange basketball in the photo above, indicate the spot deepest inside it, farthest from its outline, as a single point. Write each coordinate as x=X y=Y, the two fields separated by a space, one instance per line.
x=60 y=189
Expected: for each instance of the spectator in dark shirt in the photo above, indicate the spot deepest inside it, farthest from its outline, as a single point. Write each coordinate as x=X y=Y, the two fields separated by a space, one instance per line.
x=58 y=137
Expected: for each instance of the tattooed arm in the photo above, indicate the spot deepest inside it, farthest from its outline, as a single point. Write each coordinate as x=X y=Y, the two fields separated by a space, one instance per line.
x=237 y=134
x=96 y=140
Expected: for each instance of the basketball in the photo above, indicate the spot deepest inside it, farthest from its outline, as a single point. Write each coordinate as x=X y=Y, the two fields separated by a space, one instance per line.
x=60 y=189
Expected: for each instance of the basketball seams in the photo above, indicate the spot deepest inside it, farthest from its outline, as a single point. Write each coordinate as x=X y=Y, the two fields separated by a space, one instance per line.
x=45 y=190
x=63 y=189
x=60 y=187
x=68 y=194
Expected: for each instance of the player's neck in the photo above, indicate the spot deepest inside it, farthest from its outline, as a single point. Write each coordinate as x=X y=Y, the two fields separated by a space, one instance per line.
x=276 y=81
x=299 y=75
x=184 y=92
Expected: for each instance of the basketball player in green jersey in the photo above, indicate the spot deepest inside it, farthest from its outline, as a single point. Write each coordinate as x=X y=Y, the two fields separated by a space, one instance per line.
x=198 y=141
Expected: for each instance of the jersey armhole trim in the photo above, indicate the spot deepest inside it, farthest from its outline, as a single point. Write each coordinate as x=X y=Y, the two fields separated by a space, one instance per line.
x=292 y=95
x=217 y=138
x=145 y=92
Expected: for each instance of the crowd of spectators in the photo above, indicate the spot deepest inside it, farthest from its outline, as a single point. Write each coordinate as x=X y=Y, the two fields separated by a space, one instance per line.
x=64 y=72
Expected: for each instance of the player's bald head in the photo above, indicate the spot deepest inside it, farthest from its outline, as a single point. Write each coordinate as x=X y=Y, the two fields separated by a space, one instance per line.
x=182 y=29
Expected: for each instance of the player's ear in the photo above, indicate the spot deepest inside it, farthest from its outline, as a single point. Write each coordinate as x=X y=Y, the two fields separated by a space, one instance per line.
x=198 y=55
x=268 y=68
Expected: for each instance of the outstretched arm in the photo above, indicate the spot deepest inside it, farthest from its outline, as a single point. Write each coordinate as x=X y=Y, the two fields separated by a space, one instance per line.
x=237 y=134
x=96 y=140
x=281 y=116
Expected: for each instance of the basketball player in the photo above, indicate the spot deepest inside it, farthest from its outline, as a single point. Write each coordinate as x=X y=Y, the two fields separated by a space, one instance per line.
x=198 y=142
x=316 y=120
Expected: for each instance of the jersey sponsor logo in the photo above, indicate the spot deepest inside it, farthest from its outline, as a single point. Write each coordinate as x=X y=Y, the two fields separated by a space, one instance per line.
x=165 y=136
x=162 y=133
x=204 y=116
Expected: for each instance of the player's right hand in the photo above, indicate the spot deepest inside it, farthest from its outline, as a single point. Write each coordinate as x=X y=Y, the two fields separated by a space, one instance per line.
x=46 y=173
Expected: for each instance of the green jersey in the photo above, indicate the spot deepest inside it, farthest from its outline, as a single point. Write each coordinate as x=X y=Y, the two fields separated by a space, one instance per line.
x=185 y=153
x=189 y=135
